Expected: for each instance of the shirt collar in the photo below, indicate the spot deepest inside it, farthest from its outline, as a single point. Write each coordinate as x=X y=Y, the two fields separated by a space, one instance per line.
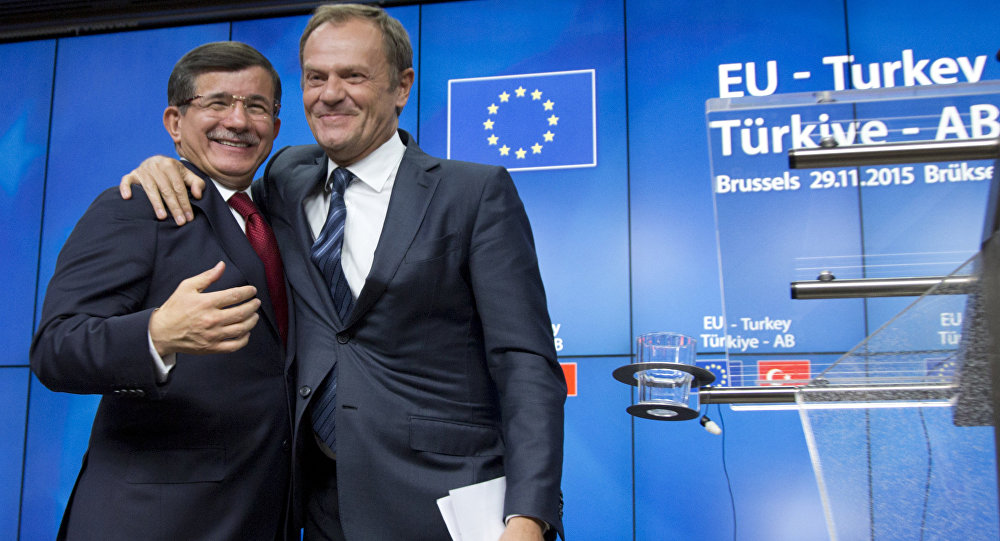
x=377 y=168
x=223 y=190
x=227 y=192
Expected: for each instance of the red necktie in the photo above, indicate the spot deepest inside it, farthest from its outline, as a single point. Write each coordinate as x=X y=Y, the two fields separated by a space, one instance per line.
x=262 y=239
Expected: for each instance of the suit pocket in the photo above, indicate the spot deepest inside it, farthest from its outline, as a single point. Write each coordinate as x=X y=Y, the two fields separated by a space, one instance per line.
x=431 y=249
x=453 y=438
x=167 y=466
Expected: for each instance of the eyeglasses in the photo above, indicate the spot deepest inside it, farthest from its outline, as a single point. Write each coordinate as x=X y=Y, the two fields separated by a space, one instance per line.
x=220 y=104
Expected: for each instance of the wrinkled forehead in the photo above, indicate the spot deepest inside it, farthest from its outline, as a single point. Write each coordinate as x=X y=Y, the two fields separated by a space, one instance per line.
x=253 y=81
x=353 y=41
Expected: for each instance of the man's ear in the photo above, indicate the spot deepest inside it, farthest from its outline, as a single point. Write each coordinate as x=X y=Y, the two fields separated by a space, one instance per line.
x=172 y=119
x=403 y=90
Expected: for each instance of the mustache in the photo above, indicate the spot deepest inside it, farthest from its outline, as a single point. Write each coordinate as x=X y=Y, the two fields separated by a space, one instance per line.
x=248 y=138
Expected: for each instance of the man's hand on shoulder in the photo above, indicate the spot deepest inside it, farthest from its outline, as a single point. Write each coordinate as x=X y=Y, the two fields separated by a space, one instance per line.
x=191 y=321
x=523 y=529
x=166 y=182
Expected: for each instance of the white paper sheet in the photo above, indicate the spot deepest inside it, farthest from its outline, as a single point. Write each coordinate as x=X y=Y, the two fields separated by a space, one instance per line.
x=475 y=512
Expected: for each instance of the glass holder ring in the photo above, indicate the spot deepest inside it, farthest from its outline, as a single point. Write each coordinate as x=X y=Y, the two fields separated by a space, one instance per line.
x=628 y=374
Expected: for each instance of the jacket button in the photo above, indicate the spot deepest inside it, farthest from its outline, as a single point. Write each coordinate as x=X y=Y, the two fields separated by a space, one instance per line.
x=305 y=391
x=343 y=338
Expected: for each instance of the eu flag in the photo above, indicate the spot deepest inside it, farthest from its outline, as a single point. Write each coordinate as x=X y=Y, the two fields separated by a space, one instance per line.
x=941 y=368
x=727 y=373
x=524 y=122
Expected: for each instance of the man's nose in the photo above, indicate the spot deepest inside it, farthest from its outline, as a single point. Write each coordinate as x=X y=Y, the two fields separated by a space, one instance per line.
x=238 y=116
x=333 y=90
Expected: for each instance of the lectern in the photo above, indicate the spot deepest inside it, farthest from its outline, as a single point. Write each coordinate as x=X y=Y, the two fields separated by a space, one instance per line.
x=879 y=210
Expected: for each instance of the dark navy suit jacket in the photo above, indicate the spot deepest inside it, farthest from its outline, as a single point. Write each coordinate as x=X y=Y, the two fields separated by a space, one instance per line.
x=447 y=373
x=205 y=455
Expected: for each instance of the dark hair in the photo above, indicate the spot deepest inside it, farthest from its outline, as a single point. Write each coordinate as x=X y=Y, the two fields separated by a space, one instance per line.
x=216 y=56
x=395 y=40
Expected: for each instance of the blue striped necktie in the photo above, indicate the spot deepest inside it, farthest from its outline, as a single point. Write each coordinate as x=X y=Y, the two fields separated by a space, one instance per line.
x=326 y=250
x=325 y=254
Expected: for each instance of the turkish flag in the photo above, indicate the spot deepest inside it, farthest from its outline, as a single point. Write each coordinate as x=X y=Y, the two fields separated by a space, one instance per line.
x=569 y=370
x=795 y=372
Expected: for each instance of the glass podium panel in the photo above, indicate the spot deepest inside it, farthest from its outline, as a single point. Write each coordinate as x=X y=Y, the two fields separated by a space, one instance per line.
x=882 y=427
x=849 y=228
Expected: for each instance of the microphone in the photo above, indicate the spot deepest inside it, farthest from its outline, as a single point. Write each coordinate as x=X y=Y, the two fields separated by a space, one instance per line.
x=710 y=426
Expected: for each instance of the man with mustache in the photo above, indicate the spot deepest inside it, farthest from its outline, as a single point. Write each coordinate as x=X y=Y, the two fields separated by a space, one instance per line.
x=191 y=438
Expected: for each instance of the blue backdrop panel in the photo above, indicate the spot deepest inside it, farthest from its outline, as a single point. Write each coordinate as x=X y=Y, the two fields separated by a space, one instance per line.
x=110 y=93
x=940 y=221
x=682 y=490
x=579 y=215
x=58 y=430
x=882 y=31
x=278 y=40
x=677 y=52
x=13 y=405
x=26 y=84
x=597 y=484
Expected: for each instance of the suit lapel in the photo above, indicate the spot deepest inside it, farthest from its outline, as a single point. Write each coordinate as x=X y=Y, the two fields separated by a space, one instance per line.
x=291 y=228
x=411 y=196
x=236 y=245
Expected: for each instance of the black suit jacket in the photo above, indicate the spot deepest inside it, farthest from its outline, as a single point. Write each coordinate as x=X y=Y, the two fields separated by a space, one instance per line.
x=202 y=456
x=447 y=374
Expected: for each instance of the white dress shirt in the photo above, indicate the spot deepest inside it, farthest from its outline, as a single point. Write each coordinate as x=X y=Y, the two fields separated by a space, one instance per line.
x=367 y=201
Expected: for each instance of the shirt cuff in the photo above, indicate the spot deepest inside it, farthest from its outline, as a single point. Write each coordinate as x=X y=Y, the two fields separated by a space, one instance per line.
x=163 y=364
x=545 y=525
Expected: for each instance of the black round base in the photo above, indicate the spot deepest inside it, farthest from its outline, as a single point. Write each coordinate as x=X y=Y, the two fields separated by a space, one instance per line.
x=662 y=412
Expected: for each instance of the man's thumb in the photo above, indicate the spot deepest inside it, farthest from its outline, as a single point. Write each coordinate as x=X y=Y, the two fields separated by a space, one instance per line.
x=207 y=278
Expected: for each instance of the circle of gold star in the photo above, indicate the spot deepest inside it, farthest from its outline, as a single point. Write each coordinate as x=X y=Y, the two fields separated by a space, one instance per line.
x=520 y=93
